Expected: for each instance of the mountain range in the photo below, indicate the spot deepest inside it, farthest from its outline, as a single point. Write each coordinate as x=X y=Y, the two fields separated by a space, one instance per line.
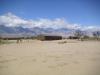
x=20 y=31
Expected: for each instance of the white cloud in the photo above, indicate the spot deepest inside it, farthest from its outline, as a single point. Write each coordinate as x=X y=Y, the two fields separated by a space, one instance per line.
x=55 y=23
x=12 y=20
x=91 y=28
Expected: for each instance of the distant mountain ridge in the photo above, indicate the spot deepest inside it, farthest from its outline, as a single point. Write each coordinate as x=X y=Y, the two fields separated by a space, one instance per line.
x=4 y=30
x=34 y=30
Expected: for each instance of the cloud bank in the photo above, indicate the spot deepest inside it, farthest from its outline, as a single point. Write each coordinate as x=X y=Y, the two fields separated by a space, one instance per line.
x=12 y=20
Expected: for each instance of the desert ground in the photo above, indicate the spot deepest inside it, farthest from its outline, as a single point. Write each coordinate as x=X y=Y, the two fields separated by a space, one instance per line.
x=34 y=57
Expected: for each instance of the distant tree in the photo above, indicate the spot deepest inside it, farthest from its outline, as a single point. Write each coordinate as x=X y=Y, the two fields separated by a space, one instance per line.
x=79 y=34
x=86 y=37
x=96 y=34
x=0 y=39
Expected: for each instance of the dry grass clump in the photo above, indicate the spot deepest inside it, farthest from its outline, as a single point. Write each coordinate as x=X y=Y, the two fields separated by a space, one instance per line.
x=62 y=42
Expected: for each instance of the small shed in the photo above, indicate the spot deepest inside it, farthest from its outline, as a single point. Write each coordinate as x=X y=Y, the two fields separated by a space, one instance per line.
x=49 y=37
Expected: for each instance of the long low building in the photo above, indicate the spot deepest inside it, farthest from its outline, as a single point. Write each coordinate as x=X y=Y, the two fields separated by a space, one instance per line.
x=48 y=37
x=11 y=38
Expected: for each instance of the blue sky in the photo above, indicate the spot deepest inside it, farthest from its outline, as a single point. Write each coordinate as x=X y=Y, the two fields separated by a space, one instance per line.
x=84 y=12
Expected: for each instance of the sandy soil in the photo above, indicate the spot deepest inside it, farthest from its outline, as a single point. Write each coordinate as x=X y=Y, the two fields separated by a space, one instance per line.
x=50 y=58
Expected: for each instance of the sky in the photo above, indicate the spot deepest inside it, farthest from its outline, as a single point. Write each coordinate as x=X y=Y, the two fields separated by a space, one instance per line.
x=74 y=12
